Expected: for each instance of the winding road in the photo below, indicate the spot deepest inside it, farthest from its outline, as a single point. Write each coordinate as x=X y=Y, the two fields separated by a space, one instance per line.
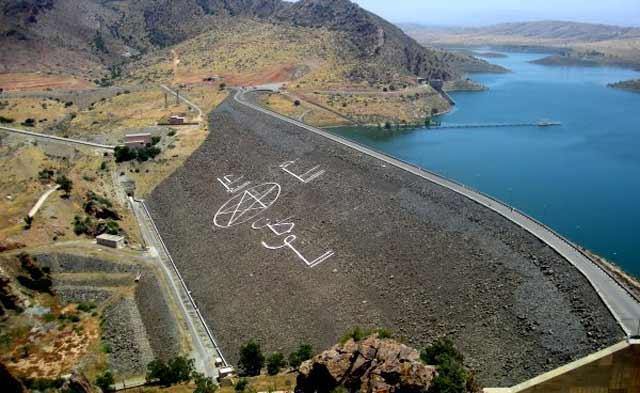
x=622 y=305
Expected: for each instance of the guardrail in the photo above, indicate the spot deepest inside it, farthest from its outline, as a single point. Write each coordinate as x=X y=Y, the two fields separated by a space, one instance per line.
x=184 y=285
x=239 y=96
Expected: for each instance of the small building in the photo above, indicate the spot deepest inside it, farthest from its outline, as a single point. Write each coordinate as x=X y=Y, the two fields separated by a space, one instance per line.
x=176 y=120
x=224 y=372
x=437 y=84
x=422 y=81
x=137 y=141
x=113 y=241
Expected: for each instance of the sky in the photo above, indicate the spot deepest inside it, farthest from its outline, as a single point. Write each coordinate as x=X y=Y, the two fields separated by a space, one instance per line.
x=485 y=12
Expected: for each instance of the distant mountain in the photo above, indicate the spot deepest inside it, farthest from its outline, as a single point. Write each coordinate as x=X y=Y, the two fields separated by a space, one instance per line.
x=575 y=43
x=558 y=30
x=542 y=30
x=78 y=35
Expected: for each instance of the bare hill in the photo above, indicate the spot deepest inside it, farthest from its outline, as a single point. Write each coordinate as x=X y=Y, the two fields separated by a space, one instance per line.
x=579 y=43
x=78 y=36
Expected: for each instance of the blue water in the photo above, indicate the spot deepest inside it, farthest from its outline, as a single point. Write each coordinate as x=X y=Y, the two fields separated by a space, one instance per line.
x=582 y=178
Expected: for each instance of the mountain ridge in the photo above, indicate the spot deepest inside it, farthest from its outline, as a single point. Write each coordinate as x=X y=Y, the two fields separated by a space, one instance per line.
x=93 y=32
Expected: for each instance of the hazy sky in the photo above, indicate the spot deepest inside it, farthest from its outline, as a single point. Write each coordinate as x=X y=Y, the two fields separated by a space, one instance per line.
x=482 y=12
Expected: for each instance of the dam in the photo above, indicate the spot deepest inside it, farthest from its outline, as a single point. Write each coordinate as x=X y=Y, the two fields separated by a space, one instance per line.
x=288 y=237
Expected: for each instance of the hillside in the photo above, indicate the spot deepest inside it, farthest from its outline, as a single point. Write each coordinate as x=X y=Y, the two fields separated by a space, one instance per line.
x=578 y=43
x=86 y=37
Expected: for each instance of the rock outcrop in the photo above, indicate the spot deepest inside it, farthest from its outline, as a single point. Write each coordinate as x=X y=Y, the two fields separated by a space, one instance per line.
x=9 y=383
x=370 y=365
x=78 y=383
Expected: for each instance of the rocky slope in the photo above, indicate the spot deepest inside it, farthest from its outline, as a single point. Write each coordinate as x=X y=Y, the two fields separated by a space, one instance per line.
x=371 y=365
x=93 y=32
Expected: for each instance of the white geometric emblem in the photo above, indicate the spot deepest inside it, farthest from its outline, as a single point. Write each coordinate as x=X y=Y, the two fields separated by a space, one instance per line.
x=247 y=205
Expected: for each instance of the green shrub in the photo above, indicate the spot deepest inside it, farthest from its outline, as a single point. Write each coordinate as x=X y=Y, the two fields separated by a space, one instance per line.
x=275 y=362
x=43 y=384
x=106 y=347
x=6 y=120
x=29 y=122
x=65 y=184
x=105 y=380
x=251 y=359
x=204 y=384
x=452 y=376
x=241 y=385
x=86 y=306
x=177 y=370
x=304 y=353
x=439 y=350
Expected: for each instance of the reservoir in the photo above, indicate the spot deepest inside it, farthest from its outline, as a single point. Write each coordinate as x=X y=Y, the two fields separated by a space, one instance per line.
x=581 y=178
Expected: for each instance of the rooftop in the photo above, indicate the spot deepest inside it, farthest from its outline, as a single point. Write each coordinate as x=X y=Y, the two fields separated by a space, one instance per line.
x=106 y=236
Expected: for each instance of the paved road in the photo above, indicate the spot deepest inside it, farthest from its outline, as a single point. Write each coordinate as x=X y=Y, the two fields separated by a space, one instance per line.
x=183 y=98
x=68 y=141
x=622 y=305
x=41 y=201
x=205 y=346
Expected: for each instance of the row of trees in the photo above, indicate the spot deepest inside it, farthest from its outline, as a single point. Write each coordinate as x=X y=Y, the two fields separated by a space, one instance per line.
x=252 y=360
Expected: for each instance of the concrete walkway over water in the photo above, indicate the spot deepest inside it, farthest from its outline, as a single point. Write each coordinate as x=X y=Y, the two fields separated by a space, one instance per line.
x=622 y=305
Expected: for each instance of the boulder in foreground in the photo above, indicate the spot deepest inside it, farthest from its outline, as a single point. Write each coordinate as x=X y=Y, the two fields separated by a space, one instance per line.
x=370 y=365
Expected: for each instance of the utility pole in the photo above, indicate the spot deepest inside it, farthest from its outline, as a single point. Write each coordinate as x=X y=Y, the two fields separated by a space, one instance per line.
x=166 y=100
x=177 y=97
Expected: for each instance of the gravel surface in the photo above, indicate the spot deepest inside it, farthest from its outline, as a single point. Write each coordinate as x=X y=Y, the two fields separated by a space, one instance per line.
x=410 y=256
x=124 y=331
x=161 y=326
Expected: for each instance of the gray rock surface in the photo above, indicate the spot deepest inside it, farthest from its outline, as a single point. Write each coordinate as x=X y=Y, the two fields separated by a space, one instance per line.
x=410 y=256
x=124 y=331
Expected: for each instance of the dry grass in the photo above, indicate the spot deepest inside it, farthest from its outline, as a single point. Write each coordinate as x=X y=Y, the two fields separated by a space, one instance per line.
x=51 y=353
x=263 y=383
x=114 y=116
x=306 y=112
x=39 y=81
x=21 y=188
x=245 y=52
x=366 y=108
x=44 y=111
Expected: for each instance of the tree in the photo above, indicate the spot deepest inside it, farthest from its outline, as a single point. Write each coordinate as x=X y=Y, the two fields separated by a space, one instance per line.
x=251 y=359
x=105 y=380
x=181 y=369
x=436 y=352
x=241 y=385
x=204 y=384
x=222 y=86
x=123 y=153
x=28 y=220
x=275 y=362
x=304 y=353
x=160 y=371
x=29 y=122
x=296 y=103
x=65 y=184
x=452 y=376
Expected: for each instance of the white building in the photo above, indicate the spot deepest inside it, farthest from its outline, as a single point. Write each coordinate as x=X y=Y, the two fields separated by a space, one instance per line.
x=113 y=241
